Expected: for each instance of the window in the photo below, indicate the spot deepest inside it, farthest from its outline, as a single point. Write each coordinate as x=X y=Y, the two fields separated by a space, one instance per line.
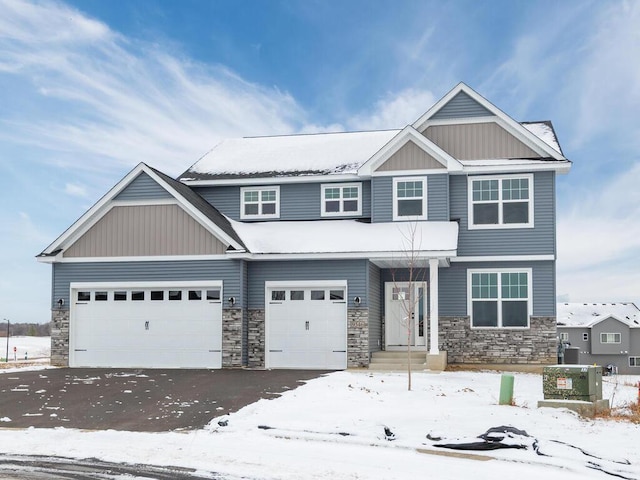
x=410 y=198
x=400 y=293
x=500 y=202
x=296 y=295
x=277 y=295
x=175 y=295
x=610 y=338
x=213 y=295
x=341 y=200
x=157 y=295
x=585 y=337
x=120 y=296
x=336 y=294
x=499 y=299
x=317 y=294
x=634 y=361
x=260 y=202
x=84 y=296
x=564 y=337
x=101 y=296
x=195 y=294
x=137 y=295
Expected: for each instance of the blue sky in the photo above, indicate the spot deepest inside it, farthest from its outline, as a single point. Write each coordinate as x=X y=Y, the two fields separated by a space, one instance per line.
x=89 y=88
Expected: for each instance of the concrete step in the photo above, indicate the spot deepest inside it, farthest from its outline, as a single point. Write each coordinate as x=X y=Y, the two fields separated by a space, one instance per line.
x=404 y=359
x=397 y=367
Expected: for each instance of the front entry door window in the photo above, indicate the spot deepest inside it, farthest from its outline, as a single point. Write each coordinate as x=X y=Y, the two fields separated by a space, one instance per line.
x=405 y=314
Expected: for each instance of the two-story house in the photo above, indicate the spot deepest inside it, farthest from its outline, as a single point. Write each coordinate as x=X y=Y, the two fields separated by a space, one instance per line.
x=295 y=251
x=607 y=334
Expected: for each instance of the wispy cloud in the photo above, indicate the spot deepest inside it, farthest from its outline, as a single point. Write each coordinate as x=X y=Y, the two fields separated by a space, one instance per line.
x=125 y=101
x=75 y=190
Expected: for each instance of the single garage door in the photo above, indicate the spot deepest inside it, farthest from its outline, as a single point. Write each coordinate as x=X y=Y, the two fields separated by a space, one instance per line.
x=146 y=326
x=306 y=327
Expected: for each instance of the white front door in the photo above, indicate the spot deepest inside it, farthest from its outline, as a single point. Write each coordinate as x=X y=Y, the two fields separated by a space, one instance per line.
x=405 y=314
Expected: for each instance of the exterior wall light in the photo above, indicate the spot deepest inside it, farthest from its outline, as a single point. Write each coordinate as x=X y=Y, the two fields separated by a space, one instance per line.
x=357 y=300
x=232 y=301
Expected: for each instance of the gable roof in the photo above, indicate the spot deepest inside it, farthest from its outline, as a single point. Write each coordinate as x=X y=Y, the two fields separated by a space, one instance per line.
x=193 y=203
x=354 y=153
x=519 y=131
x=587 y=315
x=289 y=155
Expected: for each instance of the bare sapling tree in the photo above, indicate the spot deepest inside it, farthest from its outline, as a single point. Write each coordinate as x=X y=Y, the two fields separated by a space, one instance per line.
x=409 y=300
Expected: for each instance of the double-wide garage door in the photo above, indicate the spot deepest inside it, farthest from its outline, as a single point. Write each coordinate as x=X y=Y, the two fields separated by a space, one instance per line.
x=306 y=326
x=146 y=326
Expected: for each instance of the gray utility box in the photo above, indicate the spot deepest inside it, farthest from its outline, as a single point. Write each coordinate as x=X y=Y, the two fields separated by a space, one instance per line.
x=572 y=382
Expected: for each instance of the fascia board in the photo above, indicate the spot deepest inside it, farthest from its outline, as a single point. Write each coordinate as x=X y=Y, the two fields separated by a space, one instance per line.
x=256 y=181
x=558 y=167
x=94 y=213
x=197 y=214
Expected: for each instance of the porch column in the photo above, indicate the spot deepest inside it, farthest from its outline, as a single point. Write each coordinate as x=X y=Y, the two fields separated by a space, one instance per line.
x=433 y=305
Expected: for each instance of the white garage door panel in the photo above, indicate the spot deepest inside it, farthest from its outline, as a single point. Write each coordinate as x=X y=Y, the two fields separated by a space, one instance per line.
x=182 y=332
x=304 y=332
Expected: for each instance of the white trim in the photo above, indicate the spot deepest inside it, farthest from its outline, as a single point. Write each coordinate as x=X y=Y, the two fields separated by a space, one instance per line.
x=144 y=284
x=144 y=202
x=388 y=289
x=499 y=271
x=462 y=121
x=505 y=258
x=249 y=181
x=396 y=173
x=341 y=212
x=440 y=254
x=396 y=216
x=614 y=336
x=500 y=202
x=558 y=166
x=260 y=190
x=154 y=258
x=304 y=284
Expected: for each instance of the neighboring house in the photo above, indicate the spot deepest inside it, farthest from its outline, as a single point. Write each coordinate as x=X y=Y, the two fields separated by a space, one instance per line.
x=292 y=251
x=604 y=333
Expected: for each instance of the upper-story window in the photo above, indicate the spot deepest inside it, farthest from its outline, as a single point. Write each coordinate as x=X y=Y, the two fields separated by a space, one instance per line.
x=610 y=338
x=501 y=201
x=410 y=198
x=341 y=200
x=260 y=202
x=499 y=299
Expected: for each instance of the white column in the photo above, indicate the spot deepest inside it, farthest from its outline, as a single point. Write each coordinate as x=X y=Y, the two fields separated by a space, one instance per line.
x=433 y=290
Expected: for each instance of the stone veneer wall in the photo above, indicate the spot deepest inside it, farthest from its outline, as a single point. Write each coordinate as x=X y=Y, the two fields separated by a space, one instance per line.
x=232 y=337
x=60 y=338
x=256 y=339
x=535 y=345
x=357 y=337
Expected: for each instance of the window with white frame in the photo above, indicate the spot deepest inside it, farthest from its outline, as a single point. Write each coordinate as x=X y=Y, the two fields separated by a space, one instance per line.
x=610 y=338
x=341 y=199
x=261 y=202
x=410 y=198
x=634 y=361
x=564 y=337
x=499 y=299
x=501 y=202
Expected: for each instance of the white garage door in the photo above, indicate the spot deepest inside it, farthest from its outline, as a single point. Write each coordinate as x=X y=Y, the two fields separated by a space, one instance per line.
x=306 y=326
x=146 y=326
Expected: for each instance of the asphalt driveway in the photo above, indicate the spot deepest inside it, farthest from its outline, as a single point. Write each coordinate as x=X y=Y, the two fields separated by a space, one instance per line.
x=135 y=400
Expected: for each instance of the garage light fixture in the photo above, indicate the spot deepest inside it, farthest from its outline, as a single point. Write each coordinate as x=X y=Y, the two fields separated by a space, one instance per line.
x=357 y=300
x=60 y=302
x=232 y=301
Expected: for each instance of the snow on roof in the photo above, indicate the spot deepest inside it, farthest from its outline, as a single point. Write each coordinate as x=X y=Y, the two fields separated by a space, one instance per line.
x=588 y=314
x=544 y=131
x=324 y=153
x=345 y=236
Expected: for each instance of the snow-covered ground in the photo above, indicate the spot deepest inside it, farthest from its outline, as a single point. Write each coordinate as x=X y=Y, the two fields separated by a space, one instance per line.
x=29 y=348
x=334 y=427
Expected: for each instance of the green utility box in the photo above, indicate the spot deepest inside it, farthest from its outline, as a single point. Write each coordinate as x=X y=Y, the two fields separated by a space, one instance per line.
x=572 y=382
